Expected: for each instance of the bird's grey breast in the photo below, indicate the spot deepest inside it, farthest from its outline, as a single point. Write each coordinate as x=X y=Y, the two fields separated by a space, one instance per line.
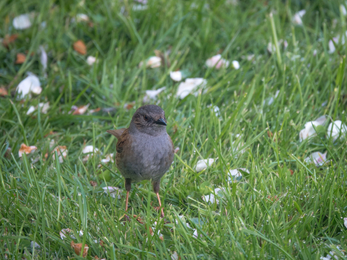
x=152 y=156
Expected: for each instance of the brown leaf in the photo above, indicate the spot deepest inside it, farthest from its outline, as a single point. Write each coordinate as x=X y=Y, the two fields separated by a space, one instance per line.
x=9 y=39
x=101 y=243
x=80 y=110
x=20 y=58
x=3 y=92
x=8 y=153
x=291 y=172
x=26 y=149
x=93 y=183
x=80 y=47
x=129 y=106
x=50 y=133
x=78 y=247
x=138 y=219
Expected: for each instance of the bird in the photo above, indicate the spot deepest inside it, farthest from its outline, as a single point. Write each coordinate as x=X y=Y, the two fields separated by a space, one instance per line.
x=144 y=150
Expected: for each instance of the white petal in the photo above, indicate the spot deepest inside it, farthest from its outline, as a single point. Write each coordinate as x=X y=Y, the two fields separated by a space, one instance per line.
x=217 y=62
x=152 y=62
x=176 y=75
x=345 y=222
x=336 y=129
x=331 y=47
x=30 y=110
x=174 y=256
x=152 y=94
x=309 y=130
x=44 y=107
x=235 y=174
x=91 y=60
x=43 y=58
x=190 y=84
x=203 y=164
x=109 y=158
x=236 y=64
x=297 y=17
x=89 y=149
x=113 y=191
x=343 y=10
x=29 y=84
x=82 y=18
x=22 y=22
x=34 y=244
x=211 y=198
x=271 y=48
x=317 y=158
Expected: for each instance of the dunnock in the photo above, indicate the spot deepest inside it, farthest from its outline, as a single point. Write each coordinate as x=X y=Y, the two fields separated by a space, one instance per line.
x=144 y=150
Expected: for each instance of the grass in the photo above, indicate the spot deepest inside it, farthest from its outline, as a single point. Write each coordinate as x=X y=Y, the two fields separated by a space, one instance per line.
x=270 y=213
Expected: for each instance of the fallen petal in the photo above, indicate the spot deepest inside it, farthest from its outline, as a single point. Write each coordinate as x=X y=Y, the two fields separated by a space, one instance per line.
x=236 y=64
x=317 y=158
x=43 y=58
x=211 y=198
x=176 y=75
x=29 y=84
x=80 y=110
x=30 y=110
x=336 y=129
x=297 y=17
x=236 y=174
x=152 y=94
x=310 y=128
x=189 y=85
x=152 y=62
x=345 y=222
x=91 y=60
x=82 y=18
x=113 y=191
x=26 y=149
x=61 y=151
x=217 y=62
x=22 y=22
x=109 y=158
x=203 y=164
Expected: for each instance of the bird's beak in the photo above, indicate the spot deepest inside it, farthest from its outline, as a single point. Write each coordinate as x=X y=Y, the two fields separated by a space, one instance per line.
x=160 y=121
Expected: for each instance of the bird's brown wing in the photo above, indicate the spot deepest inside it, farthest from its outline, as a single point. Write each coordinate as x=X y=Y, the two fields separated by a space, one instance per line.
x=117 y=133
x=123 y=141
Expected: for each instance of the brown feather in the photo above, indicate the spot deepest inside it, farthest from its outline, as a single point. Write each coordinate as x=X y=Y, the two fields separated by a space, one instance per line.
x=123 y=141
x=117 y=133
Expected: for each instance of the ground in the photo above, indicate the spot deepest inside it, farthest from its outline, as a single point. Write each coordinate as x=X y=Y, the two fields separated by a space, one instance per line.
x=280 y=206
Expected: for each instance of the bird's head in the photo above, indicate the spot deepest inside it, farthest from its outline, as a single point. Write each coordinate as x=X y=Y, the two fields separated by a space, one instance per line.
x=149 y=119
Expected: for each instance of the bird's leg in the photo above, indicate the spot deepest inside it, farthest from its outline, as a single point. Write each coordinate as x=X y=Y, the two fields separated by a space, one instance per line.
x=156 y=187
x=128 y=188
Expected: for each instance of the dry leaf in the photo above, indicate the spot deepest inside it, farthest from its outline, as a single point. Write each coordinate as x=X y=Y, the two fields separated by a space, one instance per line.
x=26 y=149
x=80 y=110
x=78 y=247
x=3 y=92
x=129 y=106
x=93 y=183
x=20 y=58
x=9 y=39
x=80 y=47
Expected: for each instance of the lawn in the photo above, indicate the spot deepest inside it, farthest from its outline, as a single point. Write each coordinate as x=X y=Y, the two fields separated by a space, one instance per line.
x=71 y=70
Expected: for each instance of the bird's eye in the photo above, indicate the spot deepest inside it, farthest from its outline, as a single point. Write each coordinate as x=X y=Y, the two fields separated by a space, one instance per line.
x=146 y=118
